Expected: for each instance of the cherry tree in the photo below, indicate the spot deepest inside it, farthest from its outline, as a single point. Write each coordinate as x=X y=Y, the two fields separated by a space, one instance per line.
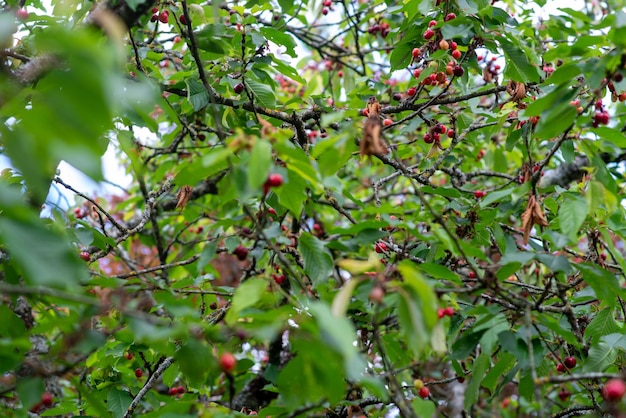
x=334 y=208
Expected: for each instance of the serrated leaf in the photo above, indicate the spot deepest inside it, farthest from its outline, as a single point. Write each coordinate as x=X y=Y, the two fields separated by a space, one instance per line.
x=518 y=68
x=263 y=94
x=318 y=263
x=600 y=357
x=280 y=38
x=118 y=402
x=197 y=94
x=572 y=214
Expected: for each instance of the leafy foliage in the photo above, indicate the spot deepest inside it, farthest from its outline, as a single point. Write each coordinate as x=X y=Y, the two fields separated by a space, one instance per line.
x=379 y=208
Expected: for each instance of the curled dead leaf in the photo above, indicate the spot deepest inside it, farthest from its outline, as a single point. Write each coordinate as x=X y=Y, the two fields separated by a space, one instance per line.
x=516 y=90
x=183 y=196
x=533 y=215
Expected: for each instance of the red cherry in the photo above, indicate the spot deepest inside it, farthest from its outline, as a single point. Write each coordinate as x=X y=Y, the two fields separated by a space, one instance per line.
x=173 y=391
x=274 y=180
x=451 y=133
x=453 y=45
x=428 y=138
x=471 y=275
x=570 y=362
x=441 y=312
x=614 y=390
x=228 y=362
x=241 y=252
x=327 y=3
x=417 y=72
x=155 y=10
x=47 y=399
x=561 y=368
x=415 y=52
x=432 y=23
x=138 y=373
x=380 y=247
x=164 y=16
x=182 y=19
x=479 y=194
x=429 y=33
x=449 y=16
x=279 y=278
x=458 y=71
x=129 y=356
x=21 y=14
x=238 y=88
x=456 y=54
x=324 y=11
x=85 y=255
x=180 y=390
x=387 y=122
x=449 y=311
x=411 y=91
x=424 y=392
x=564 y=394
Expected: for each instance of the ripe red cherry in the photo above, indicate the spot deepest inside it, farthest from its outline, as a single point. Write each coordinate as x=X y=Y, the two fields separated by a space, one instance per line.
x=182 y=19
x=129 y=356
x=238 y=88
x=387 y=122
x=570 y=362
x=274 y=180
x=415 y=52
x=180 y=390
x=451 y=133
x=380 y=247
x=441 y=312
x=458 y=71
x=228 y=362
x=449 y=311
x=561 y=368
x=428 y=138
x=429 y=33
x=164 y=16
x=564 y=394
x=453 y=45
x=85 y=255
x=324 y=11
x=47 y=399
x=21 y=14
x=424 y=392
x=601 y=118
x=138 y=373
x=432 y=23
x=471 y=275
x=173 y=391
x=411 y=91
x=479 y=194
x=241 y=252
x=456 y=54
x=279 y=278
x=450 y=16
x=614 y=390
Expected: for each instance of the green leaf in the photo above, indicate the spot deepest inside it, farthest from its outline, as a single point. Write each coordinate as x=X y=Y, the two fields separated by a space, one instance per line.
x=29 y=390
x=556 y=121
x=118 y=402
x=338 y=332
x=43 y=255
x=259 y=164
x=401 y=56
x=263 y=94
x=280 y=38
x=480 y=367
x=318 y=263
x=603 y=323
x=518 y=68
x=293 y=193
x=246 y=296
x=417 y=308
x=603 y=283
x=196 y=361
x=600 y=357
x=197 y=94
x=572 y=214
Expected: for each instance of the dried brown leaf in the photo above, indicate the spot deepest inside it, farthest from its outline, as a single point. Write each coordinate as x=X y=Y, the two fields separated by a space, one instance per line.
x=533 y=215
x=516 y=90
x=266 y=128
x=372 y=143
x=183 y=196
